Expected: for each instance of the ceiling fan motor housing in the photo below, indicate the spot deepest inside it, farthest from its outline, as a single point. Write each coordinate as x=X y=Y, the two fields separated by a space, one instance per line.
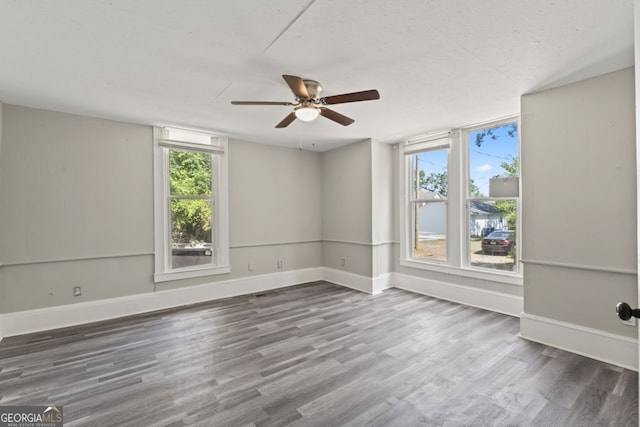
x=308 y=104
x=313 y=88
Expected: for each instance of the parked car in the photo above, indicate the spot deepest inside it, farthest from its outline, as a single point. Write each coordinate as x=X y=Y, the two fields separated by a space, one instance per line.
x=486 y=231
x=498 y=241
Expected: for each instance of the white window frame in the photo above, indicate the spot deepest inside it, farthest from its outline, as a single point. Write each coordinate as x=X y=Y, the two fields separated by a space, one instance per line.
x=458 y=258
x=168 y=138
x=464 y=134
x=431 y=143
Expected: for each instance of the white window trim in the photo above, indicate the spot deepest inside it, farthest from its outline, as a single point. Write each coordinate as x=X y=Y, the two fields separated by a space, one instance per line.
x=162 y=244
x=458 y=258
x=430 y=142
x=476 y=273
x=466 y=259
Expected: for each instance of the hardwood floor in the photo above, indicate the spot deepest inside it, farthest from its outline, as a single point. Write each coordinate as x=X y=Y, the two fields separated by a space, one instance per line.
x=313 y=355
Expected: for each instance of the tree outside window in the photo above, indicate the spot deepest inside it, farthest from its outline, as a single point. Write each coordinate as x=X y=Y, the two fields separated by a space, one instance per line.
x=190 y=185
x=493 y=153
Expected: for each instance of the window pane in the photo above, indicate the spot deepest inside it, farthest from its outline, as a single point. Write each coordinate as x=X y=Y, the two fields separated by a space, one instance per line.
x=493 y=153
x=430 y=231
x=429 y=179
x=191 y=232
x=429 y=174
x=493 y=234
x=189 y=173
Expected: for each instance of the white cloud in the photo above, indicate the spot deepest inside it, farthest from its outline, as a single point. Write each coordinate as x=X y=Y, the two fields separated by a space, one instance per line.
x=484 y=168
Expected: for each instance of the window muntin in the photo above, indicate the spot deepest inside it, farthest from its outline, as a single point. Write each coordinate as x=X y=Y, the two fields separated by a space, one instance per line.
x=459 y=195
x=428 y=204
x=191 y=204
x=493 y=156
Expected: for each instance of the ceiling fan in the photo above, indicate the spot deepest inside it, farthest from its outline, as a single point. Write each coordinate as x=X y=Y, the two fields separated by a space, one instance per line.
x=308 y=105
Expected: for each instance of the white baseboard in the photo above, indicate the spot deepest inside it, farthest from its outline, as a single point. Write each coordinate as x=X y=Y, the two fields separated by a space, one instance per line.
x=600 y=345
x=348 y=280
x=370 y=285
x=28 y=321
x=615 y=349
x=24 y=322
x=382 y=282
x=475 y=297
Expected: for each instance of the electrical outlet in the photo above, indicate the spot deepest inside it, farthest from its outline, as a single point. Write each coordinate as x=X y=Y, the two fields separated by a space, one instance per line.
x=279 y=264
x=77 y=291
x=250 y=267
x=630 y=322
x=343 y=262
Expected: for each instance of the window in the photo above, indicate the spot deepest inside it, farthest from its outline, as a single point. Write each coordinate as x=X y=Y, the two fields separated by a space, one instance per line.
x=190 y=204
x=426 y=209
x=492 y=199
x=458 y=189
x=428 y=201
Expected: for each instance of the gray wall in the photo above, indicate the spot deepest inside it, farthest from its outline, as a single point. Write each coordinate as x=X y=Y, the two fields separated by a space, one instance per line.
x=346 y=193
x=77 y=209
x=68 y=185
x=273 y=195
x=579 y=201
x=346 y=208
x=358 y=208
x=274 y=208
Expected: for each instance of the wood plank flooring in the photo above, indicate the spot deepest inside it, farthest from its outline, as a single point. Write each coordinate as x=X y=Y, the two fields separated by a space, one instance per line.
x=313 y=355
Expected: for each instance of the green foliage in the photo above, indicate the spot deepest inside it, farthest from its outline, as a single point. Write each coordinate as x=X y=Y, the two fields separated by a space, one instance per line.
x=491 y=133
x=190 y=175
x=435 y=182
x=509 y=206
x=474 y=190
x=511 y=167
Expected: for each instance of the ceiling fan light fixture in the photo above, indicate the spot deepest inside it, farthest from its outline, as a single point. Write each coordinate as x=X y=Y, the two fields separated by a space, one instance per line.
x=306 y=113
x=308 y=105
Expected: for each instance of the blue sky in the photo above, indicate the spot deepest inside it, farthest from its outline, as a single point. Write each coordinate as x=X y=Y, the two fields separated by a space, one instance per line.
x=484 y=161
x=433 y=161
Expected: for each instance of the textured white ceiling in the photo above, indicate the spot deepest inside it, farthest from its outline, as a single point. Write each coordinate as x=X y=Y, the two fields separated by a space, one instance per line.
x=437 y=64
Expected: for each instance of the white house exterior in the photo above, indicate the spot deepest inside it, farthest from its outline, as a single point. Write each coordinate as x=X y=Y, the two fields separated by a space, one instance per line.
x=432 y=215
x=485 y=215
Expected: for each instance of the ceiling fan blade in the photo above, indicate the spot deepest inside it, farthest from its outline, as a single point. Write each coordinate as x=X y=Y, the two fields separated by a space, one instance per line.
x=297 y=86
x=259 y=103
x=336 y=117
x=287 y=120
x=365 y=95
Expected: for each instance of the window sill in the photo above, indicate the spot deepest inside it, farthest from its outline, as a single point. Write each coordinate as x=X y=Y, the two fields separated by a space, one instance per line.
x=501 y=277
x=188 y=274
